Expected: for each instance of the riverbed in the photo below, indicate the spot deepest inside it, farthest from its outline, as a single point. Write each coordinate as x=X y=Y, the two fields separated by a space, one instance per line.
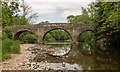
x=65 y=56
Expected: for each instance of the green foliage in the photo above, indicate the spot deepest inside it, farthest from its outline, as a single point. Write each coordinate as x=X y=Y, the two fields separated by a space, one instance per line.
x=57 y=35
x=86 y=42
x=84 y=18
x=8 y=12
x=105 y=19
x=20 y=20
x=85 y=48
x=6 y=33
x=49 y=38
x=0 y=36
x=6 y=56
x=10 y=16
x=44 y=22
x=87 y=36
x=28 y=37
x=106 y=22
x=6 y=45
x=15 y=47
x=6 y=48
x=0 y=50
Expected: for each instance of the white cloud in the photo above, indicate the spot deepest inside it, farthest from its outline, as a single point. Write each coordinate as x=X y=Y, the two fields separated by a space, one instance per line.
x=57 y=10
x=32 y=1
x=44 y=8
x=71 y=12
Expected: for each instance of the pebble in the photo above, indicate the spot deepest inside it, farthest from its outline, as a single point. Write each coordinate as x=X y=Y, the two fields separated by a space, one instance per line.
x=5 y=63
x=48 y=68
x=29 y=65
x=75 y=68
x=58 y=67
x=46 y=61
x=66 y=56
x=63 y=64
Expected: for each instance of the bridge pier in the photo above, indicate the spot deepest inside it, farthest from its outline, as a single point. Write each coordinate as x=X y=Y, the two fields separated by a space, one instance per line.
x=40 y=41
x=74 y=37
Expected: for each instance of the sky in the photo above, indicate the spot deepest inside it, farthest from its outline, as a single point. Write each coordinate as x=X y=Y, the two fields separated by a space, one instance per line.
x=56 y=11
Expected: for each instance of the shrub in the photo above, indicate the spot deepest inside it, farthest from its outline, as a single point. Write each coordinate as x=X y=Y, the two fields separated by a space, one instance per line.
x=28 y=37
x=16 y=47
x=9 y=47
x=6 y=33
x=6 y=45
x=0 y=36
x=6 y=56
x=6 y=48
x=0 y=50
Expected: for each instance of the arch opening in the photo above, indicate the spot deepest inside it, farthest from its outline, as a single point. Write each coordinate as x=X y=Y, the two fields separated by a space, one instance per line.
x=86 y=42
x=26 y=37
x=58 y=42
x=85 y=36
x=57 y=35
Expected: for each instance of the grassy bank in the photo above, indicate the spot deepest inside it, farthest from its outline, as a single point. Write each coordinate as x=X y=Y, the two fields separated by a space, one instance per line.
x=9 y=47
x=0 y=50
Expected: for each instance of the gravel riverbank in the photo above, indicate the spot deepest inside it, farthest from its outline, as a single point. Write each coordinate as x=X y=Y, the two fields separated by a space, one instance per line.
x=24 y=61
x=17 y=61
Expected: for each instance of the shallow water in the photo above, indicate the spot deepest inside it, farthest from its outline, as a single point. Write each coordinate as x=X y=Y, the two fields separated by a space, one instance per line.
x=57 y=66
x=83 y=56
x=59 y=48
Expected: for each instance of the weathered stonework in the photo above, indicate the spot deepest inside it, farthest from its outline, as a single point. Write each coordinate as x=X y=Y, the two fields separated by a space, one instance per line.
x=41 y=29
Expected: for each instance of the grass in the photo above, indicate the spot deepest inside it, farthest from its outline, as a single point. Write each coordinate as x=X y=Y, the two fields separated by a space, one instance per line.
x=6 y=56
x=16 y=47
x=0 y=50
x=8 y=47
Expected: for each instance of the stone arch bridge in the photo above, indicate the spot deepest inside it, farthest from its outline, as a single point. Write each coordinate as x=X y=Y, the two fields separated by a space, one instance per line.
x=41 y=29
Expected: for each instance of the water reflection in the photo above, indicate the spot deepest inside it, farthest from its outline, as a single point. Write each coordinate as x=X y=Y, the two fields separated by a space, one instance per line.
x=58 y=66
x=58 y=48
x=108 y=59
x=85 y=48
x=84 y=55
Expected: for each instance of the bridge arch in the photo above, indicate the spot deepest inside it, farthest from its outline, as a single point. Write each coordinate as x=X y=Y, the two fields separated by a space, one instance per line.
x=56 y=29
x=18 y=33
x=84 y=32
x=40 y=30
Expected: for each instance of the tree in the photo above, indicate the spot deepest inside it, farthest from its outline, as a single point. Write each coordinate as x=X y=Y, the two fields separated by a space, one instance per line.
x=106 y=22
x=28 y=37
x=10 y=17
x=20 y=20
x=44 y=22
x=6 y=33
x=57 y=35
x=27 y=12
x=84 y=18
x=8 y=12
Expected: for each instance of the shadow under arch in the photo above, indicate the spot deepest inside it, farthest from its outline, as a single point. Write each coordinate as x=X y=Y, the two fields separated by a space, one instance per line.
x=16 y=36
x=56 y=29
x=82 y=33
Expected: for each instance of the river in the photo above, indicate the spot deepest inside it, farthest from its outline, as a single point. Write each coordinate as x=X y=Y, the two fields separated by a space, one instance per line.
x=81 y=56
